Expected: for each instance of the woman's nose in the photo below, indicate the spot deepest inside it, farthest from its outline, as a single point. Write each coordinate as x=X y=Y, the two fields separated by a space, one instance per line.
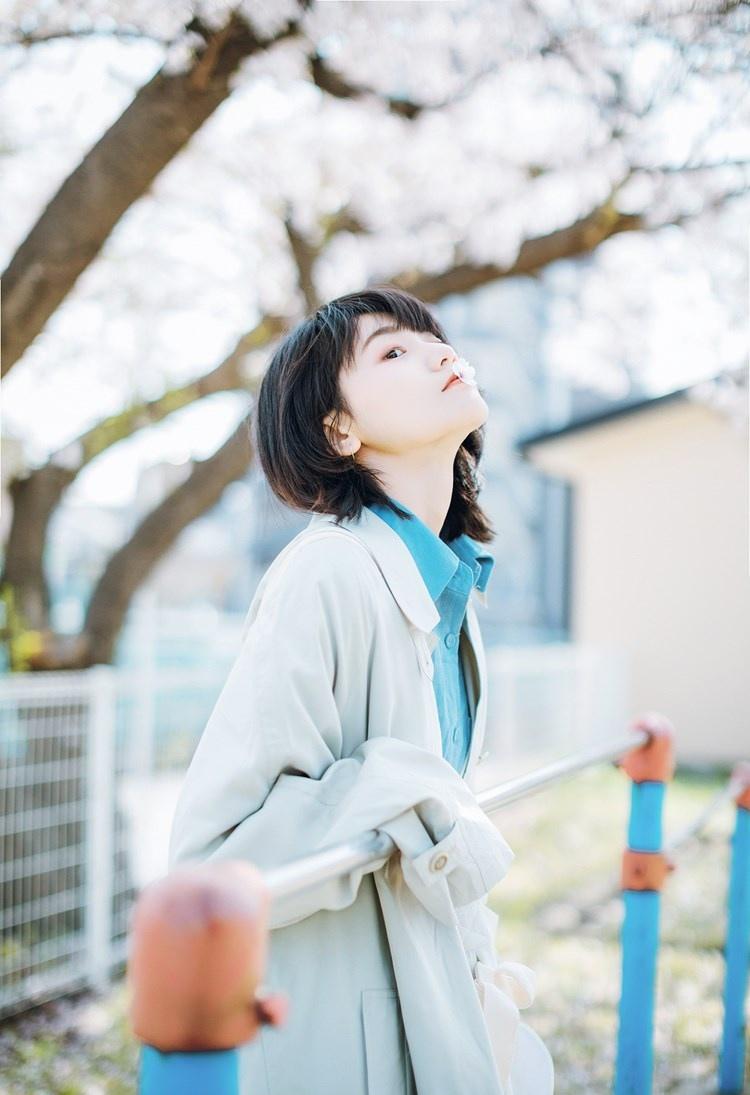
x=445 y=357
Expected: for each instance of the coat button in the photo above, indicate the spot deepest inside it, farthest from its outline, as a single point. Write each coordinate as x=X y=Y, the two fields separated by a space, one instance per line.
x=438 y=861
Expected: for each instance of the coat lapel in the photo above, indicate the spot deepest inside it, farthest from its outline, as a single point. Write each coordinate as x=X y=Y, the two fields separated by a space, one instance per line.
x=403 y=578
x=475 y=670
x=396 y=564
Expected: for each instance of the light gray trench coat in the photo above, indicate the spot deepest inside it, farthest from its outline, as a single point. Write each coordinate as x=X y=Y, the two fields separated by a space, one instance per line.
x=327 y=726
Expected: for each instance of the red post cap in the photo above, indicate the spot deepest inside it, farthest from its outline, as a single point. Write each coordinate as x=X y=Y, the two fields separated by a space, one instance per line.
x=655 y=759
x=197 y=955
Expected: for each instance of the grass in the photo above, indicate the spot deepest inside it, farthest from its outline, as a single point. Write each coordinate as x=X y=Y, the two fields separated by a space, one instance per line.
x=560 y=913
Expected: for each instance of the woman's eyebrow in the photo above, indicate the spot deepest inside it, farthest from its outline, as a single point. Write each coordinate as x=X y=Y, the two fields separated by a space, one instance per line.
x=379 y=331
x=390 y=330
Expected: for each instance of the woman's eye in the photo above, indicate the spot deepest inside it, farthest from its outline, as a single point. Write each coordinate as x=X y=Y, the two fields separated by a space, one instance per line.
x=386 y=356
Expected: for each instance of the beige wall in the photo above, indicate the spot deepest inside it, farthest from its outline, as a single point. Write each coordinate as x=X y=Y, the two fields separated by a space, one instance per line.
x=660 y=564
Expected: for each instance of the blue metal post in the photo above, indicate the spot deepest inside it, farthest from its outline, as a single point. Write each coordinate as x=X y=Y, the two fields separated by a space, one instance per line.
x=643 y=870
x=214 y=1070
x=737 y=956
x=640 y=945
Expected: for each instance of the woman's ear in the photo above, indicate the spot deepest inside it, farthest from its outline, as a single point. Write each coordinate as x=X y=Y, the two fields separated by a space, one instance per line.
x=344 y=442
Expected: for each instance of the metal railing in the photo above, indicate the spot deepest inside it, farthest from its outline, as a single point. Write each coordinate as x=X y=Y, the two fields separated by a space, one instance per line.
x=304 y=874
x=646 y=755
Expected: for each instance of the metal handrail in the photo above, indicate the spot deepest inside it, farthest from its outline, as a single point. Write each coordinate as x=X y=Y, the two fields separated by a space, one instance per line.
x=520 y=786
x=313 y=870
x=675 y=843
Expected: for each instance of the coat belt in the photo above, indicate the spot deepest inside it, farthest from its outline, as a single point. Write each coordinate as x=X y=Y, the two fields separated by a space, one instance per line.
x=504 y=989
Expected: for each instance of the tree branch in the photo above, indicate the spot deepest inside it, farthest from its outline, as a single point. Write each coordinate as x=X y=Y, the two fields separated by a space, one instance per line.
x=579 y=238
x=226 y=377
x=306 y=252
x=10 y=36
x=116 y=172
x=338 y=86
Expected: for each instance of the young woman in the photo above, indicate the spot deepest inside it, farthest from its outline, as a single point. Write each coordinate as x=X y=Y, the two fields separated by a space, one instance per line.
x=358 y=701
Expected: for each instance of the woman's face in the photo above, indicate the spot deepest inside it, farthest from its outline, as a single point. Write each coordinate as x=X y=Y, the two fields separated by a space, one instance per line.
x=395 y=390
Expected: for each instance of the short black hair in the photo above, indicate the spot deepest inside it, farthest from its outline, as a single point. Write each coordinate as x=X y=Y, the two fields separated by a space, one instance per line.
x=301 y=385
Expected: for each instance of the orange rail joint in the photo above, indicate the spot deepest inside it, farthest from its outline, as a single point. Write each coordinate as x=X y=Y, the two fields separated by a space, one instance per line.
x=741 y=779
x=197 y=955
x=644 y=870
x=655 y=759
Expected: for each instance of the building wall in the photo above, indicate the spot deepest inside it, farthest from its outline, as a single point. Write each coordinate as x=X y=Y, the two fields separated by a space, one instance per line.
x=660 y=564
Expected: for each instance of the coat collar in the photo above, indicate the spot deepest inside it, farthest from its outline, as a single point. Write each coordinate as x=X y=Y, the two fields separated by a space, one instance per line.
x=396 y=563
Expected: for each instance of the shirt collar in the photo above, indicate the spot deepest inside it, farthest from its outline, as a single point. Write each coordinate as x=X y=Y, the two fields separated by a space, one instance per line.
x=437 y=559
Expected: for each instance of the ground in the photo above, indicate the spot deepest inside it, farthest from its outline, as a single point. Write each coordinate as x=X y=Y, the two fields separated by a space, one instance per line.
x=560 y=913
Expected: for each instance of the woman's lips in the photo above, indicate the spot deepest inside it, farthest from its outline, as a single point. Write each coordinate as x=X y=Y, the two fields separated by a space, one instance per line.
x=451 y=382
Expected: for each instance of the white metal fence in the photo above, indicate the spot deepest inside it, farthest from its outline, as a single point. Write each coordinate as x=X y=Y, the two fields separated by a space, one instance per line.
x=79 y=754
x=91 y=763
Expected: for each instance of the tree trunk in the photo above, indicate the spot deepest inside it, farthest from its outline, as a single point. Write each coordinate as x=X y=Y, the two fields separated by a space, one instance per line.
x=34 y=500
x=131 y=564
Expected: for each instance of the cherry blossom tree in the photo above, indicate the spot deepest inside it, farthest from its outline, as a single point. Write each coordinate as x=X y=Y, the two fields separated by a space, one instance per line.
x=186 y=181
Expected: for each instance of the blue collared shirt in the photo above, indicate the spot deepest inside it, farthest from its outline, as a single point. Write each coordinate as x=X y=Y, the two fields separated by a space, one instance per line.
x=449 y=571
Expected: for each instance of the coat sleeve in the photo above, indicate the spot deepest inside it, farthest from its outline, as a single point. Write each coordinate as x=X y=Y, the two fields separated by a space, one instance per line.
x=268 y=781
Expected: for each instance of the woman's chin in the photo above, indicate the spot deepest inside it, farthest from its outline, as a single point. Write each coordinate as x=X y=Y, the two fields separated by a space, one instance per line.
x=482 y=411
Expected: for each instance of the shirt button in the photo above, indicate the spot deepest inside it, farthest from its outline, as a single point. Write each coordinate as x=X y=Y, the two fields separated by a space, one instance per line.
x=438 y=861
x=450 y=640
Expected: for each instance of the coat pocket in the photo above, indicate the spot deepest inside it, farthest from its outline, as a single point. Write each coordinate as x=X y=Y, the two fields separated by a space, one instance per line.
x=386 y=1058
